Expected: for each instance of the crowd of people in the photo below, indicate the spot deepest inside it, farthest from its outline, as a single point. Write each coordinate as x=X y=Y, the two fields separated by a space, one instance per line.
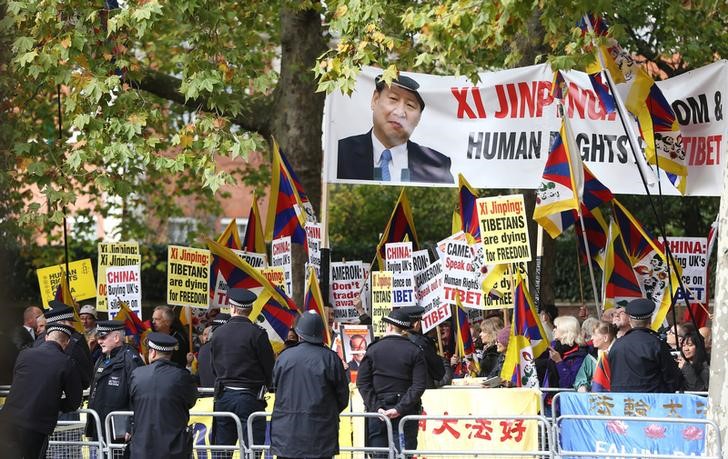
x=617 y=352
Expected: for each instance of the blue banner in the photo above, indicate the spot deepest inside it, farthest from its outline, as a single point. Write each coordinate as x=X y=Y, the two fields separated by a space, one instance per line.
x=633 y=437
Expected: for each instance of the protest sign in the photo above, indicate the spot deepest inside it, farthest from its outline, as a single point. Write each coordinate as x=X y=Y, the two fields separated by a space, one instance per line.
x=219 y=297
x=123 y=285
x=355 y=339
x=81 y=276
x=420 y=261
x=398 y=260
x=347 y=282
x=281 y=257
x=460 y=277
x=275 y=276
x=313 y=241
x=366 y=292
x=504 y=124
x=637 y=437
x=690 y=254
x=188 y=276
x=503 y=229
x=113 y=254
x=381 y=300
x=430 y=282
x=499 y=295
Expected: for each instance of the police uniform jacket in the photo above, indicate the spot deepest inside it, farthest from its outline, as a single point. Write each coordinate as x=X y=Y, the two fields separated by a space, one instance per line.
x=110 y=387
x=392 y=374
x=435 y=367
x=43 y=375
x=311 y=390
x=204 y=366
x=78 y=350
x=242 y=356
x=641 y=362
x=162 y=394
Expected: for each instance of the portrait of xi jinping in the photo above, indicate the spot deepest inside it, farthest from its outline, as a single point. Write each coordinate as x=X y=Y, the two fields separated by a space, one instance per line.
x=385 y=152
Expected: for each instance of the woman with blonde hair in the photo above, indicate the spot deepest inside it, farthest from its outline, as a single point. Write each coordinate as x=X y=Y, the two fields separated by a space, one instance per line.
x=489 y=329
x=567 y=351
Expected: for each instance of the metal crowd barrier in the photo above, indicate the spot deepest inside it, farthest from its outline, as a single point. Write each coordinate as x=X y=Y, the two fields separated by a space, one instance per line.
x=66 y=441
x=116 y=450
x=389 y=450
x=543 y=425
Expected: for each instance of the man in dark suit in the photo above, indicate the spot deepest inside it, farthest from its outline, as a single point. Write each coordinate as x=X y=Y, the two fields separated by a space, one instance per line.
x=385 y=152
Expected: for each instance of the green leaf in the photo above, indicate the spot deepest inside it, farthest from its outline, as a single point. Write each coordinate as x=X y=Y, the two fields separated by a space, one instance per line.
x=22 y=45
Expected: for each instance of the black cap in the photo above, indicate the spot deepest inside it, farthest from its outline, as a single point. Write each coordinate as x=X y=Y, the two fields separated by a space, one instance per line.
x=241 y=298
x=310 y=327
x=403 y=82
x=104 y=327
x=220 y=319
x=59 y=311
x=162 y=342
x=61 y=328
x=398 y=317
x=415 y=312
x=640 y=309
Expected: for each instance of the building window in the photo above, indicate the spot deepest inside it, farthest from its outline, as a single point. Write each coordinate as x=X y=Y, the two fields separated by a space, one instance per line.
x=242 y=224
x=179 y=229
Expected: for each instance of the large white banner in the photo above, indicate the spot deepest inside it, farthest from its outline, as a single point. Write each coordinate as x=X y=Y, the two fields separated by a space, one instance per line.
x=497 y=133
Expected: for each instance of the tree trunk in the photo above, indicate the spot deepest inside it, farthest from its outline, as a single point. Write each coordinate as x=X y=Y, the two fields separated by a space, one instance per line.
x=298 y=111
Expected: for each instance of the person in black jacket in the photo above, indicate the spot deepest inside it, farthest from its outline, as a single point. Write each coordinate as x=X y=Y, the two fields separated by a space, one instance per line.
x=242 y=360
x=162 y=394
x=204 y=356
x=45 y=382
x=164 y=321
x=311 y=390
x=640 y=361
x=693 y=362
x=391 y=380
x=112 y=378
x=435 y=365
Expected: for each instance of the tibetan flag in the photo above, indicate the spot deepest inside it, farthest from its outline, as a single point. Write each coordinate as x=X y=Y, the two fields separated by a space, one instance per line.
x=310 y=214
x=313 y=301
x=400 y=228
x=649 y=263
x=601 y=89
x=700 y=311
x=468 y=212
x=253 y=241
x=596 y=228
x=464 y=339
x=526 y=341
x=457 y=222
x=273 y=310
x=602 y=378
x=286 y=212
x=558 y=85
x=63 y=294
x=134 y=327
x=560 y=187
x=230 y=237
x=620 y=281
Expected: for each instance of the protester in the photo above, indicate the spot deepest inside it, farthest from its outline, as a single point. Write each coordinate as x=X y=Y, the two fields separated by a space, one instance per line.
x=693 y=362
x=45 y=381
x=489 y=329
x=603 y=336
x=622 y=321
x=40 y=325
x=587 y=330
x=608 y=315
x=567 y=350
x=242 y=359
x=291 y=339
x=112 y=379
x=672 y=340
x=640 y=361
x=205 y=374
x=435 y=366
x=391 y=381
x=501 y=347
x=311 y=390
x=164 y=321
x=162 y=394
x=548 y=314
x=88 y=317
x=24 y=335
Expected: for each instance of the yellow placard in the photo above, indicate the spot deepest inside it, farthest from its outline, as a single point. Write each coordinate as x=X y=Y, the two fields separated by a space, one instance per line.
x=113 y=254
x=275 y=276
x=382 y=284
x=81 y=274
x=188 y=276
x=502 y=285
x=504 y=229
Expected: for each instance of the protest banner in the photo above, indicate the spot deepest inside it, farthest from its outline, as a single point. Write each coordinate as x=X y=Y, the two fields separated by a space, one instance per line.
x=188 y=276
x=505 y=122
x=219 y=297
x=347 y=281
x=313 y=241
x=430 y=282
x=123 y=284
x=355 y=339
x=398 y=260
x=275 y=276
x=381 y=300
x=113 y=254
x=366 y=291
x=461 y=279
x=690 y=254
x=504 y=229
x=637 y=437
x=499 y=295
x=81 y=276
x=281 y=257
x=420 y=262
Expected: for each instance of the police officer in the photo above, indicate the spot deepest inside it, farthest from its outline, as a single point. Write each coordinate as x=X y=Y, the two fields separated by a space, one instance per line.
x=311 y=390
x=640 y=361
x=60 y=313
x=242 y=359
x=391 y=380
x=112 y=376
x=435 y=363
x=204 y=357
x=45 y=381
x=162 y=394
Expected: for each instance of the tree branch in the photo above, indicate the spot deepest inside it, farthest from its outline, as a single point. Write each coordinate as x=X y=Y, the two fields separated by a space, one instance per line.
x=644 y=49
x=255 y=114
